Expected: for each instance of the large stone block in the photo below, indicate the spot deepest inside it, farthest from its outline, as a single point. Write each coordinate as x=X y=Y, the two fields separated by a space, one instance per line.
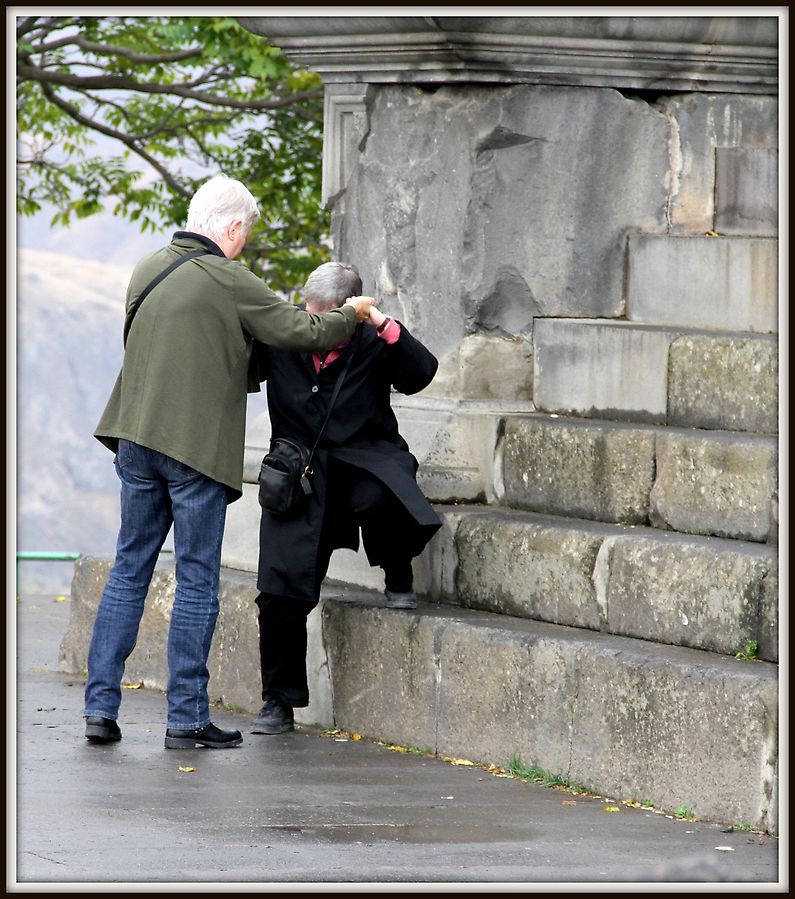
x=769 y=615
x=705 y=594
x=725 y=283
x=487 y=367
x=454 y=445
x=533 y=568
x=652 y=373
x=597 y=709
x=519 y=681
x=383 y=671
x=417 y=221
x=601 y=369
x=700 y=123
x=746 y=196
x=702 y=592
x=678 y=727
x=725 y=382
x=719 y=484
x=578 y=469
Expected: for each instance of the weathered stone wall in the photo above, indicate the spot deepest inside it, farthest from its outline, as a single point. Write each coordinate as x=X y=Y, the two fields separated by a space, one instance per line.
x=475 y=209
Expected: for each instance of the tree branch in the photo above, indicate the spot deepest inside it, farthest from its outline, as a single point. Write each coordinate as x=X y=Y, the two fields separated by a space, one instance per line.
x=78 y=117
x=78 y=40
x=27 y=25
x=117 y=82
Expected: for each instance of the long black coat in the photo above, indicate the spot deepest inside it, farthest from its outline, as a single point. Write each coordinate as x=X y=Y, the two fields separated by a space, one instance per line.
x=362 y=431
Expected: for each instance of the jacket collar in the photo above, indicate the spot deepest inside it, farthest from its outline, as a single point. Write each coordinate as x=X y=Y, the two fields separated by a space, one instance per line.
x=211 y=245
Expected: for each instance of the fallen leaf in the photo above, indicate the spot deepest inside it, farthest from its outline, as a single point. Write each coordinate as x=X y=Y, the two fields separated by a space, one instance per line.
x=710 y=233
x=569 y=802
x=631 y=803
x=186 y=769
x=611 y=808
x=398 y=749
x=461 y=762
x=60 y=599
x=356 y=736
x=724 y=849
x=133 y=686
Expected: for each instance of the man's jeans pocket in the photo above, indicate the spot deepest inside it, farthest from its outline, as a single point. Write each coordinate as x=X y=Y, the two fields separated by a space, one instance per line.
x=123 y=454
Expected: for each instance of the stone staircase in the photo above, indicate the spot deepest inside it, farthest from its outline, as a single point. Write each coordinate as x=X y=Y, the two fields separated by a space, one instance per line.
x=607 y=551
x=635 y=513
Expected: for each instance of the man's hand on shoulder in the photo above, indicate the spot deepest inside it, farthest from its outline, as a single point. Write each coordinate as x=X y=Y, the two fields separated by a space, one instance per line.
x=362 y=305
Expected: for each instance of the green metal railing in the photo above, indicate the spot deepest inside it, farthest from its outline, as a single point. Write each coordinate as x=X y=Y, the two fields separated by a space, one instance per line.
x=41 y=556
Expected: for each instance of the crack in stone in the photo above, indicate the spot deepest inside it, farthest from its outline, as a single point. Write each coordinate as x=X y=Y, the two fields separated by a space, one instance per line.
x=502 y=138
x=437 y=667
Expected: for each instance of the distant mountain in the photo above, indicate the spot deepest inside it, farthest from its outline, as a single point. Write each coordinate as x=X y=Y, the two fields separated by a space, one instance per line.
x=103 y=236
x=70 y=314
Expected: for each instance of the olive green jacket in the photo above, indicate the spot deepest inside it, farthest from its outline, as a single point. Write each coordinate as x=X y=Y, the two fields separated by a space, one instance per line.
x=183 y=384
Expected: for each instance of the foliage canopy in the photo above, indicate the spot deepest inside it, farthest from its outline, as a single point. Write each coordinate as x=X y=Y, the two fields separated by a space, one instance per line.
x=180 y=98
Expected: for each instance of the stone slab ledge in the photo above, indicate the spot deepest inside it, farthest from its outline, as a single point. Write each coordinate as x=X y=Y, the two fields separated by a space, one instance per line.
x=703 y=592
x=623 y=717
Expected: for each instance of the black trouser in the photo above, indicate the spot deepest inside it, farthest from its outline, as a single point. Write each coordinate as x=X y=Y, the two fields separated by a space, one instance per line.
x=352 y=495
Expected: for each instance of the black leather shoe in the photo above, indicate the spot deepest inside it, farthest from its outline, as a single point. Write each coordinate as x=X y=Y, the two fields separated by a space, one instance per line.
x=210 y=736
x=102 y=730
x=275 y=717
x=401 y=600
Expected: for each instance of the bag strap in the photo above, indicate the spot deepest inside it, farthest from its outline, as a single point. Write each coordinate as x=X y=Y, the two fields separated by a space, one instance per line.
x=337 y=386
x=153 y=283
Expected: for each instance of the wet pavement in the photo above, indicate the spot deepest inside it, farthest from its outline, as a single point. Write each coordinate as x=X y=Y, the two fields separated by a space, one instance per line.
x=311 y=808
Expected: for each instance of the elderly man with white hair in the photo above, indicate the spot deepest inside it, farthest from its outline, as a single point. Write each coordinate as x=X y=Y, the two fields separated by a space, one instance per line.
x=363 y=478
x=176 y=421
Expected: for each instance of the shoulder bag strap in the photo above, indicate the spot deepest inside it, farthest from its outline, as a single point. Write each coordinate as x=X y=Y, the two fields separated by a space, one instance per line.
x=153 y=283
x=333 y=400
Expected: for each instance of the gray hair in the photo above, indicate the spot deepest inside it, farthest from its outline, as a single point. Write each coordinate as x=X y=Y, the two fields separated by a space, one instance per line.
x=217 y=204
x=331 y=284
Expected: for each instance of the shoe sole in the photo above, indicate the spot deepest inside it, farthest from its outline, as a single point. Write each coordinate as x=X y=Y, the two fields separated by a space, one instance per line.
x=259 y=728
x=401 y=605
x=191 y=743
x=97 y=734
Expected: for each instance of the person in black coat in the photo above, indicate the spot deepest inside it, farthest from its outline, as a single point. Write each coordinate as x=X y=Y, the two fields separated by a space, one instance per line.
x=363 y=477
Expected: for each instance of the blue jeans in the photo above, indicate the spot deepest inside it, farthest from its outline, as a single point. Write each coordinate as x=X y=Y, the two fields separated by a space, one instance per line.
x=157 y=491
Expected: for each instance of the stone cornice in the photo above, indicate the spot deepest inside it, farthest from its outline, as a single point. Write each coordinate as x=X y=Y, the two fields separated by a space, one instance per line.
x=665 y=53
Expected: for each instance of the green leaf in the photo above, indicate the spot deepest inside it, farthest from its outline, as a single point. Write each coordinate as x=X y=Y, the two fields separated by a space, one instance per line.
x=276 y=153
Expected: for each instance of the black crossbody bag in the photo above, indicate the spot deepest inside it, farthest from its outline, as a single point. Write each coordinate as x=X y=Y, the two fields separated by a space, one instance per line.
x=285 y=472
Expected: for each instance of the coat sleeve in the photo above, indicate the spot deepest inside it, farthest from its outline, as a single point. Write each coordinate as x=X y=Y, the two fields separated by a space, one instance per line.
x=411 y=365
x=277 y=323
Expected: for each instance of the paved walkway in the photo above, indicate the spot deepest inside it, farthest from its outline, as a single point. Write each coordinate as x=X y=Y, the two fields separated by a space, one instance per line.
x=308 y=808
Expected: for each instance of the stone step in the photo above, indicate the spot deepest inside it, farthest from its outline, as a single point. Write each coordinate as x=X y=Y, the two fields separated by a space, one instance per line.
x=623 y=717
x=725 y=283
x=700 y=592
x=746 y=190
x=714 y=483
x=653 y=373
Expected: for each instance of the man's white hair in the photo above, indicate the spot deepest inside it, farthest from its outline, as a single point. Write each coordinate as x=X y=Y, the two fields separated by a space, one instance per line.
x=330 y=285
x=217 y=204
